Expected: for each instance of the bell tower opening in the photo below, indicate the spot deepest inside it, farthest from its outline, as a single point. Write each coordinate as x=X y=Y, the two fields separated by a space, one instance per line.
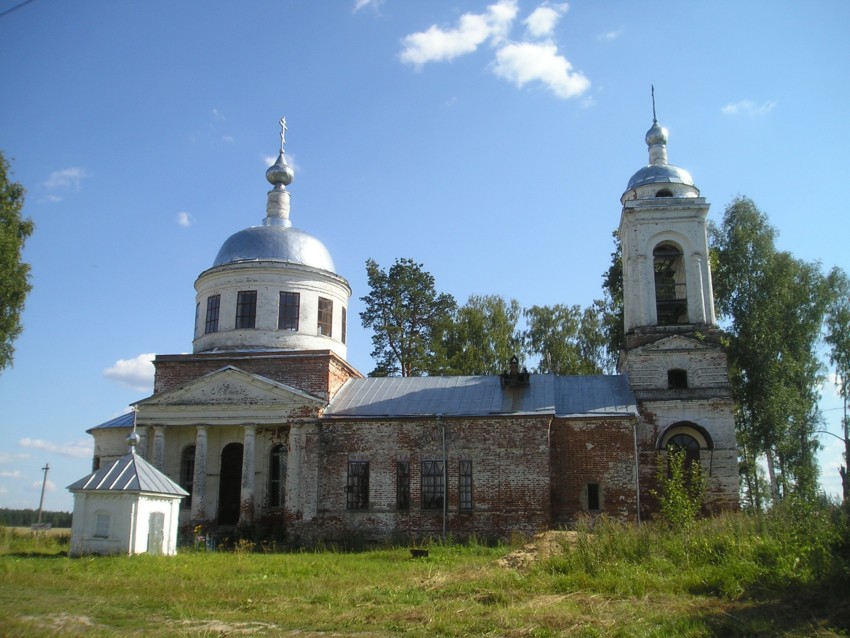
x=671 y=293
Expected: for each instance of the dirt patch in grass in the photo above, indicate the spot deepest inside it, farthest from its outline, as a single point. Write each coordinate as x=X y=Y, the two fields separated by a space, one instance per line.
x=62 y=624
x=542 y=546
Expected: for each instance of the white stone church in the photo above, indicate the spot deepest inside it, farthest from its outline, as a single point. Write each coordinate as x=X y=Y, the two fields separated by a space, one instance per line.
x=268 y=427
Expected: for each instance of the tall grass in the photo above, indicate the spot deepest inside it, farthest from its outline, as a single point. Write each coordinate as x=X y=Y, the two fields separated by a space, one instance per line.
x=783 y=574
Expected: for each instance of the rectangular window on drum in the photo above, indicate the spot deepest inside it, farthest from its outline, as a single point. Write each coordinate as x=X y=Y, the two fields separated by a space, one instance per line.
x=326 y=313
x=288 y=313
x=246 y=309
x=213 y=303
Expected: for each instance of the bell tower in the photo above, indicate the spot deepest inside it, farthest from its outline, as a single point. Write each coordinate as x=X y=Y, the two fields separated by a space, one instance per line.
x=673 y=354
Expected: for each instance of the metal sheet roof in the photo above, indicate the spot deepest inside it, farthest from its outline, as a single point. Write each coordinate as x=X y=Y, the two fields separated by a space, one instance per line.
x=130 y=473
x=483 y=395
x=123 y=421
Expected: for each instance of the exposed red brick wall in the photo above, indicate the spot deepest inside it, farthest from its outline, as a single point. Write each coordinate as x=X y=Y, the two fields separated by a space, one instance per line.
x=320 y=372
x=592 y=451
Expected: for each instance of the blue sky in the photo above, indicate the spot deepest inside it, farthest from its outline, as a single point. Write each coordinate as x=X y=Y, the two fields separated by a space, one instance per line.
x=489 y=140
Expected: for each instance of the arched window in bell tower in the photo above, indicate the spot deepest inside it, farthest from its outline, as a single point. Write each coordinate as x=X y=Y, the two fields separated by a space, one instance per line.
x=671 y=294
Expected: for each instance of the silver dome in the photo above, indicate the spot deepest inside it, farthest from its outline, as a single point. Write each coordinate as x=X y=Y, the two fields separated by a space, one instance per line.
x=275 y=243
x=655 y=174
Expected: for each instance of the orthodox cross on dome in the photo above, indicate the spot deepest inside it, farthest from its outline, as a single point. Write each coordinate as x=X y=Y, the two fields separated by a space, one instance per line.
x=654 y=119
x=283 y=130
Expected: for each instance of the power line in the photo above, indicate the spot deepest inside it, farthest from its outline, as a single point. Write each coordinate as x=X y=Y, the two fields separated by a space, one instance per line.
x=18 y=6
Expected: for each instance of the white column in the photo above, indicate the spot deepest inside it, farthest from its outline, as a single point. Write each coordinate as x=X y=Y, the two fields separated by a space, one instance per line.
x=199 y=480
x=701 y=314
x=158 y=446
x=246 y=507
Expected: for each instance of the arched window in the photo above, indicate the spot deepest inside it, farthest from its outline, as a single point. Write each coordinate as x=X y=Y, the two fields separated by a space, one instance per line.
x=671 y=295
x=685 y=443
x=187 y=474
x=664 y=192
x=277 y=475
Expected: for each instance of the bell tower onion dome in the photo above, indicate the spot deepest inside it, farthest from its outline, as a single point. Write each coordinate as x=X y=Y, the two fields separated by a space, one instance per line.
x=272 y=286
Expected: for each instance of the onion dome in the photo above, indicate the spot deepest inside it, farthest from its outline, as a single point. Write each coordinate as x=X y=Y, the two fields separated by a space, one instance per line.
x=276 y=239
x=658 y=171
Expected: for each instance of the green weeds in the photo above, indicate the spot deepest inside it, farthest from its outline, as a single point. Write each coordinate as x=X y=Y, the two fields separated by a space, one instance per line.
x=782 y=574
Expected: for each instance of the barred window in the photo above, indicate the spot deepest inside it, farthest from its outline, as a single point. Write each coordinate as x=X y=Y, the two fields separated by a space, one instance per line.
x=357 y=488
x=246 y=309
x=288 y=312
x=187 y=474
x=464 y=485
x=433 y=485
x=213 y=303
x=326 y=313
x=402 y=485
x=277 y=475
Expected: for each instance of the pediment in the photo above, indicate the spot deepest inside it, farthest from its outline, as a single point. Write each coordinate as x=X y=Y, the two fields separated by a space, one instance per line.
x=676 y=343
x=231 y=386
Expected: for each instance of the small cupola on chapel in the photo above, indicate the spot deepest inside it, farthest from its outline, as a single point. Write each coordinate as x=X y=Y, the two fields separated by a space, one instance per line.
x=666 y=275
x=272 y=286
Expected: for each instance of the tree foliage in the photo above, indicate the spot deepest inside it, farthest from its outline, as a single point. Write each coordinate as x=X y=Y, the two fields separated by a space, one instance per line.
x=613 y=319
x=408 y=318
x=838 y=338
x=14 y=273
x=567 y=339
x=484 y=336
x=775 y=305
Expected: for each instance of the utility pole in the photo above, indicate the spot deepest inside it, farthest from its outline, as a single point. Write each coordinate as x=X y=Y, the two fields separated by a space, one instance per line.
x=43 y=485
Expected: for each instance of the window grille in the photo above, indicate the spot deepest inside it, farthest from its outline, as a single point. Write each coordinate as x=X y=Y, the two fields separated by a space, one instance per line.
x=357 y=489
x=464 y=485
x=289 y=310
x=433 y=485
x=213 y=303
x=246 y=309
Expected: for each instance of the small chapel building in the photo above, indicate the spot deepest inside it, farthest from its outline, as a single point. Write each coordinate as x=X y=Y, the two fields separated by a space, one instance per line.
x=267 y=426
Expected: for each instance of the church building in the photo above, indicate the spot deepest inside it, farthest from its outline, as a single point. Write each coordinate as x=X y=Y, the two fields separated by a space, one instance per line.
x=268 y=427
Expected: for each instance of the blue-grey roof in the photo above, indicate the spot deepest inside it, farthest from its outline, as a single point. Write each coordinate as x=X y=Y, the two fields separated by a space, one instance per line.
x=123 y=421
x=131 y=473
x=601 y=395
x=275 y=243
x=660 y=174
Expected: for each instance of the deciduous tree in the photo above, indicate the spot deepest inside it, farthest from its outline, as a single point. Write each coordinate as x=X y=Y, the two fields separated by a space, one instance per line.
x=14 y=273
x=483 y=336
x=838 y=338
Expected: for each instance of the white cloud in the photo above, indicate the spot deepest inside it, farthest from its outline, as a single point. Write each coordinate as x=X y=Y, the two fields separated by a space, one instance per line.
x=748 y=107
x=65 y=179
x=473 y=29
x=10 y=474
x=362 y=4
x=541 y=23
x=217 y=115
x=49 y=486
x=526 y=62
x=77 y=449
x=136 y=373
x=610 y=35
x=6 y=457
x=185 y=219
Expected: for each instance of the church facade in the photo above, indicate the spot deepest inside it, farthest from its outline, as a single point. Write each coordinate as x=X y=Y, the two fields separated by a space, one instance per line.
x=268 y=427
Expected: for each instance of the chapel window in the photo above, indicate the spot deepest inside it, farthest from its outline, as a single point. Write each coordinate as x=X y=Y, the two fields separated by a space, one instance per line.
x=187 y=474
x=325 y=321
x=102 y=520
x=677 y=379
x=213 y=303
x=277 y=475
x=288 y=312
x=464 y=485
x=433 y=485
x=246 y=309
x=357 y=486
x=402 y=485
x=671 y=297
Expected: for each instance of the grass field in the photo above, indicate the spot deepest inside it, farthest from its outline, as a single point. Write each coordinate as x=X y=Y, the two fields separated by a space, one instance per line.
x=733 y=576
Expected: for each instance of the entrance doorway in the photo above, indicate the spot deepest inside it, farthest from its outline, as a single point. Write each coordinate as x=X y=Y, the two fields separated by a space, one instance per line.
x=230 y=484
